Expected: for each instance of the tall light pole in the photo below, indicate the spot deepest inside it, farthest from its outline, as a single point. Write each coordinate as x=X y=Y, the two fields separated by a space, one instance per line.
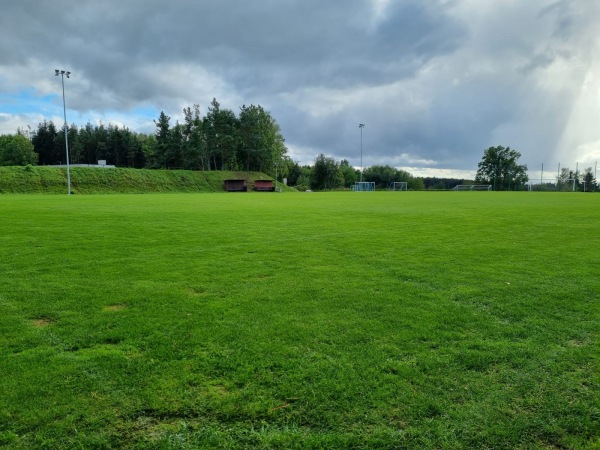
x=361 y=126
x=62 y=74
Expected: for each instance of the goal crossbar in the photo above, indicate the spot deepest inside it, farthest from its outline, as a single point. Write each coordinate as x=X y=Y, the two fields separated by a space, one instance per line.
x=473 y=187
x=364 y=186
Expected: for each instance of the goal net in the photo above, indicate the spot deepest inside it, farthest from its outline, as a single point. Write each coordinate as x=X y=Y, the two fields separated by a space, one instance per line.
x=399 y=186
x=473 y=187
x=366 y=186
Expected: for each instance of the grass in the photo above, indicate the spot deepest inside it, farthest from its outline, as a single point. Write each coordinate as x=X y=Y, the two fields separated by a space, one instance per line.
x=317 y=320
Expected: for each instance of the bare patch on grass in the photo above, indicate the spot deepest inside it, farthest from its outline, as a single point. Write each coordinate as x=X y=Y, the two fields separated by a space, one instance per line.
x=42 y=322
x=151 y=429
x=576 y=343
x=220 y=389
x=197 y=291
x=116 y=307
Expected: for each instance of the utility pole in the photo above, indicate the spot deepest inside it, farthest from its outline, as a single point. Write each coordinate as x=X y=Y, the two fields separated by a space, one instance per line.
x=62 y=74
x=361 y=126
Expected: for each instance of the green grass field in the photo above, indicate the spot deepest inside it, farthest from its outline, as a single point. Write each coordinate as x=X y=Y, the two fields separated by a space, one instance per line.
x=316 y=320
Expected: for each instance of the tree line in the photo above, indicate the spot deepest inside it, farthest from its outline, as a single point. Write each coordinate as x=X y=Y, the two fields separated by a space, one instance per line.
x=573 y=180
x=500 y=168
x=220 y=140
x=328 y=174
x=249 y=141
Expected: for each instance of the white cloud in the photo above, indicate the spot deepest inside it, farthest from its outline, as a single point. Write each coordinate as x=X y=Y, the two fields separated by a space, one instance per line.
x=9 y=123
x=419 y=171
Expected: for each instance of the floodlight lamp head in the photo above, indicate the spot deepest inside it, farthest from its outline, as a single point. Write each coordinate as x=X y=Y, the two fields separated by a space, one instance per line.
x=361 y=125
x=56 y=71
x=68 y=73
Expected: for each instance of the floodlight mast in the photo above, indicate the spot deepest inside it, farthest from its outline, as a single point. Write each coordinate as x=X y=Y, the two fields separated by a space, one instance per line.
x=361 y=126
x=62 y=74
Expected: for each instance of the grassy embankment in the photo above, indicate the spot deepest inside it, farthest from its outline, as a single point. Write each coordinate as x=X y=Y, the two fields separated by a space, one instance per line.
x=84 y=180
x=324 y=320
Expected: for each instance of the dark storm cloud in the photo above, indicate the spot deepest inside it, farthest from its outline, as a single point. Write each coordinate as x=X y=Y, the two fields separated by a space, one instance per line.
x=435 y=82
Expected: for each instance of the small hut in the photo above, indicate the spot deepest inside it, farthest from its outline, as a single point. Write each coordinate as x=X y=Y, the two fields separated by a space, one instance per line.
x=235 y=185
x=264 y=186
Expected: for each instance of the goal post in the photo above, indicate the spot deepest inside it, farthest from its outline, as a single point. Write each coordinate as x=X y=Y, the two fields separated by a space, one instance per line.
x=399 y=186
x=473 y=187
x=364 y=186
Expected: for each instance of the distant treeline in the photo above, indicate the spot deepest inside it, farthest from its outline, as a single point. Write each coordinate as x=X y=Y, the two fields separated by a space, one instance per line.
x=220 y=140
x=327 y=174
x=434 y=183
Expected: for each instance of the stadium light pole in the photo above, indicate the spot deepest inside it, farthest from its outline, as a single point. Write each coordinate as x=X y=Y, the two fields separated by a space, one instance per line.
x=361 y=126
x=62 y=74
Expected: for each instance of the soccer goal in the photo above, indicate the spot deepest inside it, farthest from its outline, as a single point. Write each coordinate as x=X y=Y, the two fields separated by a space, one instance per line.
x=473 y=187
x=399 y=186
x=364 y=186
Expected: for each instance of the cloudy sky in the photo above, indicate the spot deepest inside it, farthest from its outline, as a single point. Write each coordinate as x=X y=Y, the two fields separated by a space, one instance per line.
x=434 y=81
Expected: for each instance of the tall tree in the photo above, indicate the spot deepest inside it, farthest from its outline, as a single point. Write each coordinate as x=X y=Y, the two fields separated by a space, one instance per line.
x=162 y=140
x=251 y=133
x=174 y=159
x=76 y=152
x=101 y=140
x=350 y=174
x=87 y=141
x=262 y=145
x=16 y=150
x=500 y=167
x=589 y=181
x=45 y=144
x=326 y=174
x=125 y=152
x=303 y=180
x=275 y=144
x=194 y=150
x=294 y=172
x=221 y=132
x=148 y=148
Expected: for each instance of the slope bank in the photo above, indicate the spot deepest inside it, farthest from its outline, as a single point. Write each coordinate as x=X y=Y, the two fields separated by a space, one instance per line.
x=88 y=180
